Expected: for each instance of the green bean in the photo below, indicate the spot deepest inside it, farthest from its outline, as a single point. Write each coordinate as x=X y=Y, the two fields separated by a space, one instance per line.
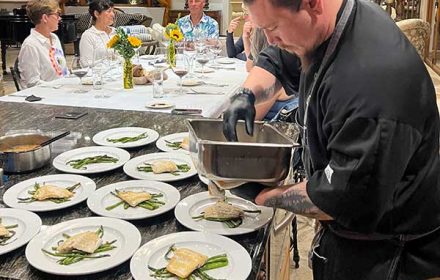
x=74 y=187
x=126 y=205
x=214 y=265
x=111 y=207
x=11 y=226
x=81 y=163
x=175 y=145
x=128 y=139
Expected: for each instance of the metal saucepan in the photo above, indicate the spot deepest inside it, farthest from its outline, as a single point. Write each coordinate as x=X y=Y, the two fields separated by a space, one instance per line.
x=22 y=152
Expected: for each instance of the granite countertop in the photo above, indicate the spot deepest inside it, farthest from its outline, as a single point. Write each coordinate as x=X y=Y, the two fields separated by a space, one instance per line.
x=23 y=116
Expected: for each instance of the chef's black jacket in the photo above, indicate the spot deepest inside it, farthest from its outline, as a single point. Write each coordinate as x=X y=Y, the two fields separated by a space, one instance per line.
x=373 y=129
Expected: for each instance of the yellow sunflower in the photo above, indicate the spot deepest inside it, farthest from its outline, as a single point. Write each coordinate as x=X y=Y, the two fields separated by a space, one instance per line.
x=176 y=35
x=134 y=42
x=113 y=41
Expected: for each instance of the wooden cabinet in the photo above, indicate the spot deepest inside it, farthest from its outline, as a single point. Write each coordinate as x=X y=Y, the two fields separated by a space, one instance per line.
x=217 y=15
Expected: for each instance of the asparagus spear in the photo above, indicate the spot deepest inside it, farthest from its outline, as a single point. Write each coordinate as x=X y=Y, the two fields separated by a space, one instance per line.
x=128 y=139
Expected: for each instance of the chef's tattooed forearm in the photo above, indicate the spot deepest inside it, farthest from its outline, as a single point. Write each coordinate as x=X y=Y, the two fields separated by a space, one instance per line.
x=268 y=92
x=297 y=201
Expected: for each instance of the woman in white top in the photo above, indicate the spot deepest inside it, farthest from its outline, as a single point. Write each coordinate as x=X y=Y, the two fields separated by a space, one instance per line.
x=41 y=56
x=93 y=44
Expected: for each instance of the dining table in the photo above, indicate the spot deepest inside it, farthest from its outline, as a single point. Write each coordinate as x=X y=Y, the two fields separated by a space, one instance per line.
x=24 y=117
x=209 y=94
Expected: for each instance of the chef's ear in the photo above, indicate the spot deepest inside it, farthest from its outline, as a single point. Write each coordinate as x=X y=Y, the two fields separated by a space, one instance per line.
x=315 y=5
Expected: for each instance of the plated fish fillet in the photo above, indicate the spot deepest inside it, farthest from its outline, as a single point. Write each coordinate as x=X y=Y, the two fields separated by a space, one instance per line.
x=86 y=241
x=185 y=143
x=4 y=232
x=163 y=166
x=223 y=210
x=185 y=261
x=133 y=198
x=48 y=191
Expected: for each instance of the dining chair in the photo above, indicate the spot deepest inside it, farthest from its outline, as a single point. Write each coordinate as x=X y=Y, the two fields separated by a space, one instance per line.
x=417 y=31
x=16 y=75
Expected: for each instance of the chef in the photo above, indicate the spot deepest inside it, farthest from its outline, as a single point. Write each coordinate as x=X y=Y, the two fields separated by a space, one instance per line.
x=370 y=131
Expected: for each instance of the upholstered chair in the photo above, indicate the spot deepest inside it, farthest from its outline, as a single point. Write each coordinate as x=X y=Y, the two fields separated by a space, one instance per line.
x=417 y=31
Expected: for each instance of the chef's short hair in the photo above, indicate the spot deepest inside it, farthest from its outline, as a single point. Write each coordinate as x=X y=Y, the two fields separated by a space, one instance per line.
x=293 y=5
x=99 y=6
x=35 y=9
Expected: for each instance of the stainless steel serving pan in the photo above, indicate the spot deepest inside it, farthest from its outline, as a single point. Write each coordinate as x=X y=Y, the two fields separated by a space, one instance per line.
x=263 y=157
x=27 y=160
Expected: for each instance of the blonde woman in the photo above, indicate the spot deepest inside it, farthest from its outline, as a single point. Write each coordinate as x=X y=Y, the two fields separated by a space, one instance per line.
x=93 y=44
x=41 y=56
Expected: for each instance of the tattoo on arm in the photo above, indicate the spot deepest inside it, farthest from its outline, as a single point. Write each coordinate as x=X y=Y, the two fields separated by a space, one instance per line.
x=267 y=93
x=297 y=201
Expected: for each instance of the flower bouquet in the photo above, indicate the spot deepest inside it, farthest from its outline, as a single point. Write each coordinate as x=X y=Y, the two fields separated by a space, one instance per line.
x=174 y=34
x=125 y=45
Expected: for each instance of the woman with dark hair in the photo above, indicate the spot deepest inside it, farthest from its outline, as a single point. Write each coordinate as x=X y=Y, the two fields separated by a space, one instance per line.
x=93 y=44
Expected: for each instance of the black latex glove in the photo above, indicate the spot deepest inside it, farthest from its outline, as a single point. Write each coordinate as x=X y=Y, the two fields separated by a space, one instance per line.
x=242 y=108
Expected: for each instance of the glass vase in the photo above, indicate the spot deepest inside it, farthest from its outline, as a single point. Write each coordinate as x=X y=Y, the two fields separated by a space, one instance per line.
x=171 y=54
x=128 y=74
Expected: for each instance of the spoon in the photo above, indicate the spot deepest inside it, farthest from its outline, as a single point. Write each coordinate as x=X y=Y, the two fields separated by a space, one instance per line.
x=59 y=136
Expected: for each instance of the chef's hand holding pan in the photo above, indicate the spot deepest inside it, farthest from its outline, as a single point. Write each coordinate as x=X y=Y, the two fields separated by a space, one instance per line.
x=242 y=108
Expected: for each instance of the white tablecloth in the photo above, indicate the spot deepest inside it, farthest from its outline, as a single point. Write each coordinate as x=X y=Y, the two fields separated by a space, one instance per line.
x=61 y=92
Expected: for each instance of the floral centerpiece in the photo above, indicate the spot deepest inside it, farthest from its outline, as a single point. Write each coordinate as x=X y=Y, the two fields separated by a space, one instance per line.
x=125 y=45
x=174 y=34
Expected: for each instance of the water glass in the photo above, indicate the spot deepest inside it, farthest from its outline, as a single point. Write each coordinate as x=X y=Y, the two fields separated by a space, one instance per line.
x=157 y=79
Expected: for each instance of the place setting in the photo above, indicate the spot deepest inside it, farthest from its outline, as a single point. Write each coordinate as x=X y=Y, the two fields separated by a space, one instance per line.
x=133 y=200
x=90 y=160
x=231 y=216
x=17 y=227
x=206 y=255
x=164 y=167
x=176 y=142
x=49 y=192
x=126 y=137
x=83 y=246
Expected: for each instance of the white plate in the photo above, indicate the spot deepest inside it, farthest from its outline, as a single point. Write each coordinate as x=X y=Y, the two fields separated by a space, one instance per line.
x=152 y=254
x=159 y=105
x=190 y=82
x=206 y=70
x=115 y=133
x=21 y=189
x=203 y=179
x=194 y=204
x=149 y=57
x=102 y=198
x=225 y=60
x=60 y=162
x=127 y=235
x=130 y=168
x=28 y=223
x=176 y=137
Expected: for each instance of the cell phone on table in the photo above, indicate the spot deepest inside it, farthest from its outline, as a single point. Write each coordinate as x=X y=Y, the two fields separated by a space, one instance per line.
x=177 y=111
x=70 y=115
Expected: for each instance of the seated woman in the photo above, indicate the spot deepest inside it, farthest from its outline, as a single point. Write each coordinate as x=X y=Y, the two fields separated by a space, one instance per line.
x=234 y=49
x=41 y=56
x=93 y=44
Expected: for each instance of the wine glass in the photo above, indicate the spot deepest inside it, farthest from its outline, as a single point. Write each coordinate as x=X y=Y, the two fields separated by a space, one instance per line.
x=202 y=59
x=181 y=68
x=215 y=47
x=80 y=71
x=190 y=51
